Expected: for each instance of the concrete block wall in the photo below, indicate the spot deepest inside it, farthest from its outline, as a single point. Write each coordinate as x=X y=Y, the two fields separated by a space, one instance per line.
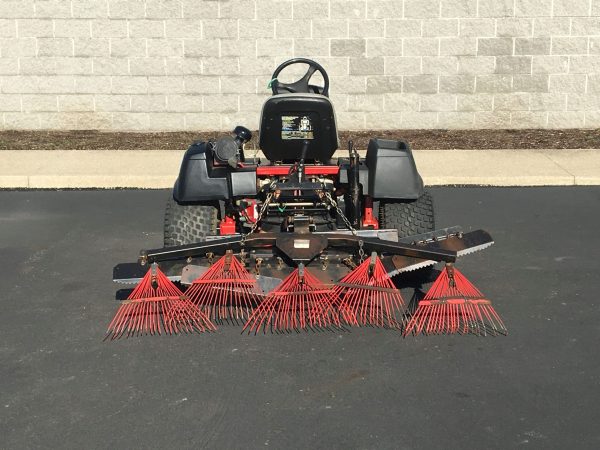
x=205 y=64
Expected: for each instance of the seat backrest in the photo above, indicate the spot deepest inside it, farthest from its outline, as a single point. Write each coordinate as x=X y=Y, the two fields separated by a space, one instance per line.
x=289 y=120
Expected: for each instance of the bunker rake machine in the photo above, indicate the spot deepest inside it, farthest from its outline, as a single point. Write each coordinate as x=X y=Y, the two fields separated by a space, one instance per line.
x=300 y=240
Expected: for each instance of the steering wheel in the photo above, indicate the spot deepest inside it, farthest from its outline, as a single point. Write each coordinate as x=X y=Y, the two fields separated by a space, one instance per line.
x=301 y=85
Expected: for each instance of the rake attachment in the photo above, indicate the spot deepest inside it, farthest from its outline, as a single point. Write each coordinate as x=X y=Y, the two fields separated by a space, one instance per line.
x=156 y=305
x=300 y=301
x=226 y=290
x=454 y=306
x=369 y=297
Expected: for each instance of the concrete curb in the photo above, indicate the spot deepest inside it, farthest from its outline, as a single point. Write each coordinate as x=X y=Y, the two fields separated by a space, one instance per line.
x=157 y=169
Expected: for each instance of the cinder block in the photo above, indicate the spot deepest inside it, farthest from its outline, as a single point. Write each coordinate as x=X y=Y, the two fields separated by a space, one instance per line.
x=16 y=9
x=110 y=66
x=329 y=28
x=583 y=102
x=476 y=65
x=72 y=28
x=109 y=28
x=496 y=119
x=21 y=121
x=338 y=66
x=495 y=46
x=569 y=45
x=401 y=102
x=260 y=66
x=493 y=83
x=533 y=8
x=459 y=8
x=567 y=83
x=445 y=65
x=165 y=121
x=513 y=64
x=221 y=103
x=455 y=120
x=474 y=102
x=17 y=47
x=183 y=66
x=166 y=85
x=457 y=84
x=90 y=85
x=28 y=28
x=184 y=103
x=273 y=9
x=10 y=102
x=90 y=47
x=395 y=28
x=128 y=47
x=366 y=28
x=512 y=27
x=356 y=9
x=593 y=84
x=440 y=27
x=550 y=64
x=8 y=28
x=238 y=85
x=530 y=83
x=384 y=47
x=585 y=26
x=201 y=48
x=420 y=47
x=570 y=8
x=463 y=46
x=594 y=46
x=274 y=47
x=547 y=102
x=495 y=8
x=313 y=47
x=421 y=9
x=165 y=47
x=532 y=46
x=221 y=66
x=75 y=102
x=163 y=9
x=420 y=84
x=221 y=28
x=289 y=29
x=203 y=121
x=592 y=119
x=340 y=101
x=129 y=85
x=254 y=29
x=585 y=64
x=9 y=66
x=20 y=84
x=39 y=103
x=366 y=66
x=109 y=103
x=366 y=103
x=438 y=102
x=147 y=28
x=397 y=65
x=56 y=66
x=52 y=9
x=528 y=119
x=308 y=9
x=147 y=66
x=511 y=102
x=566 y=119
x=89 y=8
x=55 y=47
x=555 y=26
x=127 y=9
x=348 y=47
x=202 y=85
x=351 y=120
x=477 y=28
x=383 y=84
x=419 y=120
x=93 y=120
x=252 y=103
x=595 y=7
x=130 y=121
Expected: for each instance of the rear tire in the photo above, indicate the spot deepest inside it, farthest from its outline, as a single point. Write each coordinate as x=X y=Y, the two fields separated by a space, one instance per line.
x=188 y=224
x=408 y=217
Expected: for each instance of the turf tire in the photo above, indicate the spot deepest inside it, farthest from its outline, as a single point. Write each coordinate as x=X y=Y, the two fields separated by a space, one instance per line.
x=408 y=217
x=188 y=224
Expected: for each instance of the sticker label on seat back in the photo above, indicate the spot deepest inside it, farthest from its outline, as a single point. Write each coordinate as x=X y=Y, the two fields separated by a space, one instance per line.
x=296 y=127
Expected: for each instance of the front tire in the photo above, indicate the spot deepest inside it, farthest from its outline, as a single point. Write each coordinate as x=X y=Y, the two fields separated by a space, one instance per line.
x=408 y=217
x=188 y=224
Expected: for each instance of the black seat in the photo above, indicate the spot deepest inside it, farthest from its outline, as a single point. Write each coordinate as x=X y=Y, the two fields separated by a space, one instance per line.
x=288 y=121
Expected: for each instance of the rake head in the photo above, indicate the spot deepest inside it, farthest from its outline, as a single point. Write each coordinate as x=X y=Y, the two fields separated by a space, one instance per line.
x=300 y=301
x=454 y=306
x=226 y=290
x=368 y=296
x=155 y=306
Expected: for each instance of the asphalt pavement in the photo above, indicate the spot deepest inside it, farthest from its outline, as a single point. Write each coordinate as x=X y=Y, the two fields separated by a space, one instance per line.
x=63 y=387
